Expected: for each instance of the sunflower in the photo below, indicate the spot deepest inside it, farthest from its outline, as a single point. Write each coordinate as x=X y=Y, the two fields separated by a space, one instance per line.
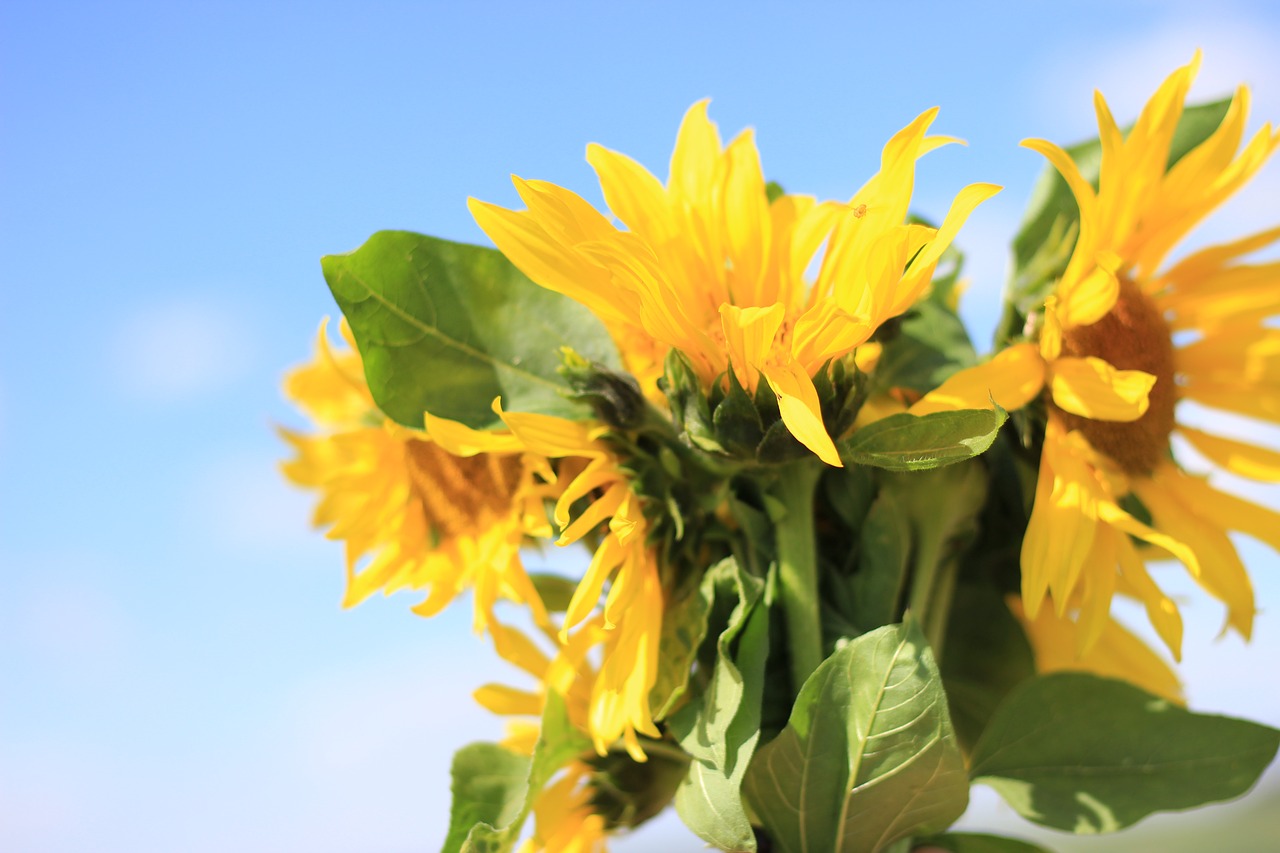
x=425 y=512
x=711 y=267
x=1124 y=339
x=629 y=624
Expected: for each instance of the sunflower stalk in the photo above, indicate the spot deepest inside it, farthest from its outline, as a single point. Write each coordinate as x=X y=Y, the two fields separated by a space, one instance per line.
x=798 y=569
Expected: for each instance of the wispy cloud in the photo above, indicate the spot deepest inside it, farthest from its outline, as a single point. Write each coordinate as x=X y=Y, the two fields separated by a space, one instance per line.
x=180 y=349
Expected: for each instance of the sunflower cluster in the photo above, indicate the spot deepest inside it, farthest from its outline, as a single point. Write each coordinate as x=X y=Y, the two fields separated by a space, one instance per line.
x=798 y=484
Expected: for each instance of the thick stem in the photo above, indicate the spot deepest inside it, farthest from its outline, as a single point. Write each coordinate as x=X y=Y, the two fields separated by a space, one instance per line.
x=798 y=569
x=932 y=586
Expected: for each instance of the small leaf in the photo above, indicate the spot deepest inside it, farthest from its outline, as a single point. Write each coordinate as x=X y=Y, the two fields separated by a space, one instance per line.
x=684 y=624
x=968 y=842
x=720 y=728
x=868 y=756
x=445 y=327
x=905 y=442
x=1089 y=754
x=497 y=829
x=489 y=783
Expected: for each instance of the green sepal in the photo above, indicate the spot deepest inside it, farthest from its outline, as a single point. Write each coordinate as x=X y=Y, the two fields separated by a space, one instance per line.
x=868 y=756
x=446 y=328
x=1087 y=754
x=737 y=423
x=626 y=792
x=719 y=729
x=906 y=442
x=615 y=397
x=690 y=410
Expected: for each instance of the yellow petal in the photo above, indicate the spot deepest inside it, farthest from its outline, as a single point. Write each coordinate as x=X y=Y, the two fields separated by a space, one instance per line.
x=1012 y=378
x=501 y=699
x=1092 y=388
x=749 y=335
x=697 y=149
x=1161 y=610
x=461 y=440
x=1238 y=457
x=800 y=410
x=1089 y=300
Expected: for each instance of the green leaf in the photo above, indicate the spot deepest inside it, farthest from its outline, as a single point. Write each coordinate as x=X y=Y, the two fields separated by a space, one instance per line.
x=1089 y=754
x=555 y=591
x=684 y=624
x=494 y=830
x=987 y=657
x=721 y=727
x=968 y=842
x=931 y=344
x=868 y=756
x=905 y=442
x=489 y=783
x=445 y=327
x=884 y=549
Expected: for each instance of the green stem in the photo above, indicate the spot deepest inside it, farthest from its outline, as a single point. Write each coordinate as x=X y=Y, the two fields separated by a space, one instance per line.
x=932 y=586
x=798 y=569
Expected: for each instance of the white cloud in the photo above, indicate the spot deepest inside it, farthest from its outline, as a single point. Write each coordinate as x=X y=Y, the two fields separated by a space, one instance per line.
x=247 y=501
x=180 y=349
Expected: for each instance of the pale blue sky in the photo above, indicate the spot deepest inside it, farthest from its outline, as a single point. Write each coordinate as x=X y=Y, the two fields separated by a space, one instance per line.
x=176 y=672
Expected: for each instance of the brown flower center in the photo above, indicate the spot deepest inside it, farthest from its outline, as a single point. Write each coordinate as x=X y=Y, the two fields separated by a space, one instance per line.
x=1134 y=336
x=461 y=494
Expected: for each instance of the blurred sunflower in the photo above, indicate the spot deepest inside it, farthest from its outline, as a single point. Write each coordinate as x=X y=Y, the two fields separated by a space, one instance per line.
x=1124 y=339
x=425 y=512
x=711 y=267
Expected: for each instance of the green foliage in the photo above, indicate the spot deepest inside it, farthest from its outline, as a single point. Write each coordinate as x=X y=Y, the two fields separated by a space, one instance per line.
x=1088 y=754
x=877 y=591
x=966 y=842
x=720 y=728
x=684 y=624
x=494 y=789
x=987 y=657
x=445 y=327
x=868 y=756
x=489 y=783
x=906 y=442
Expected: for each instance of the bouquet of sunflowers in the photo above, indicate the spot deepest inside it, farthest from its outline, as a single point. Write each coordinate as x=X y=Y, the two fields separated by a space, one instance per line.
x=841 y=566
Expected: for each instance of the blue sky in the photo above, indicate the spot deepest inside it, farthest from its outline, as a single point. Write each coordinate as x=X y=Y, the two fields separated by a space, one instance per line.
x=177 y=673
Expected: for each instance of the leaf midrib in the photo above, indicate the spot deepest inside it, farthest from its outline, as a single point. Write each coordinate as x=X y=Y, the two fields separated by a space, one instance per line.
x=453 y=343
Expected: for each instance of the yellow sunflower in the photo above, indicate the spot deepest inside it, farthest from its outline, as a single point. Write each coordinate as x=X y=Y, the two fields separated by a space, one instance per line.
x=629 y=624
x=1124 y=339
x=424 y=512
x=710 y=267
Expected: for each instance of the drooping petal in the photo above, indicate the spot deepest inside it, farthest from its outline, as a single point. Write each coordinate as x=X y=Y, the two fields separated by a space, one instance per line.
x=801 y=412
x=1013 y=378
x=1092 y=388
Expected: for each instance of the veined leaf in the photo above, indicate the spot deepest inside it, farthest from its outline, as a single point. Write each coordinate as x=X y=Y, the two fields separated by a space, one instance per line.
x=684 y=624
x=868 y=756
x=906 y=442
x=1089 y=754
x=720 y=728
x=446 y=327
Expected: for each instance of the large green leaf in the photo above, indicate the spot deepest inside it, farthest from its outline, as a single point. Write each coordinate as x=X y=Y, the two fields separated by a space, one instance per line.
x=720 y=728
x=905 y=442
x=868 y=756
x=498 y=788
x=445 y=327
x=1089 y=754
x=877 y=589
